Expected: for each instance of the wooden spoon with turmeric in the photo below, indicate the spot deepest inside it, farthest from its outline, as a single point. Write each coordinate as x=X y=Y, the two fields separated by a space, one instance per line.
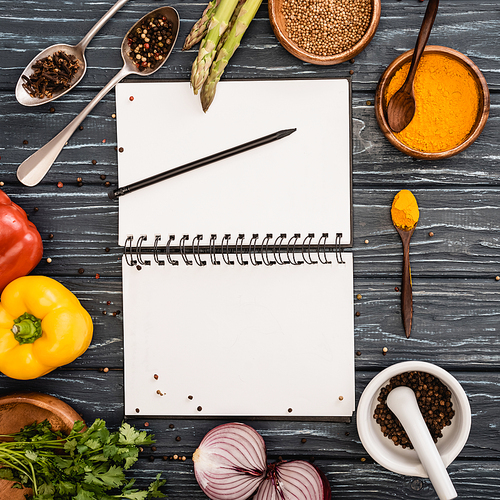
x=404 y=213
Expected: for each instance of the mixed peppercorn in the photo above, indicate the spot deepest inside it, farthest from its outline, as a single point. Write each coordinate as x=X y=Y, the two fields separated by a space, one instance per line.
x=51 y=75
x=151 y=42
x=434 y=401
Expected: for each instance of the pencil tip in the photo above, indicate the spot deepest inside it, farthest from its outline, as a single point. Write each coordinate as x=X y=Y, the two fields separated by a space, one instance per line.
x=288 y=131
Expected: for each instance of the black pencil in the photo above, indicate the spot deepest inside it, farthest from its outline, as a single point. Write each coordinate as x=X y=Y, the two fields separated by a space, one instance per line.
x=200 y=163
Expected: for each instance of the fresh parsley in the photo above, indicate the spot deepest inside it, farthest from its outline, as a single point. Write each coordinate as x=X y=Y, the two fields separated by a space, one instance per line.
x=87 y=464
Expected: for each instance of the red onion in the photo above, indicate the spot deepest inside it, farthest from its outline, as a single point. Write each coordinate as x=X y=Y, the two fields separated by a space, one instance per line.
x=230 y=464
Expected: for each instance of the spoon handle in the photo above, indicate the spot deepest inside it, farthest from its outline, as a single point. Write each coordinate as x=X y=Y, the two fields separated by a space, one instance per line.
x=97 y=26
x=403 y=403
x=33 y=169
x=406 y=291
x=423 y=36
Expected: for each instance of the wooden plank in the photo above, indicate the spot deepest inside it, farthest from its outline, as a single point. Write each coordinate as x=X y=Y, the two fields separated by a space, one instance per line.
x=464 y=223
x=348 y=480
x=376 y=163
x=96 y=394
x=472 y=31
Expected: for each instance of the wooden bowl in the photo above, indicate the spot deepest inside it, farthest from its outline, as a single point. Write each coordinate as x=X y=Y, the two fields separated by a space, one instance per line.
x=21 y=409
x=483 y=108
x=279 y=27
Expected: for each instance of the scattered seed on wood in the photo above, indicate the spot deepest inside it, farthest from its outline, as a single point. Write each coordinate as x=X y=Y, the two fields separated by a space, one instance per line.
x=104 y=313
x=347 y=434
x=358 y=353
x=79 y=179
x=497 y=278
x=177 y=438
x=303 y=440
x=431 y=234
x=80 y=184
x=359 y=296
x=51 y=236
x=363 y=459
x=367 y=241
x=396 y=288
x=25 y=142
x=80 y=127
x=49 y=260
x=108 y=302
x=60 y=184
x=106 y=370
x=51 y=75
x=368 y=103
x=113 y=116
x=94 y=162
x=97 y=276
x=384 y=351
x=104 y=141
x=2 y=183
x=35 y=209
x=164 y=458
x=107 y=183
x=146 y=424
x=358 y=313
x=106 y=249
x=351 y=72
x=171 y=426
x=175 y=457
x=183 y=459
x=81 y=270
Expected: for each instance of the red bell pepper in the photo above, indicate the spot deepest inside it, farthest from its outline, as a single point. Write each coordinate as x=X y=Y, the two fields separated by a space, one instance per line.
x=21 y=247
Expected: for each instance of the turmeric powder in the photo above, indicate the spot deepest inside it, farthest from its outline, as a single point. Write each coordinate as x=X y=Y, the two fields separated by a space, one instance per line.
x=446 y=100
x=404 y=211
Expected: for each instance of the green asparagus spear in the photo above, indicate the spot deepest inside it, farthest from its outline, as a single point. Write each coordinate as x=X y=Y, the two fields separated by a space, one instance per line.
x=200 y=28
x=247 y=13
x=235 y=15
x=206 y=54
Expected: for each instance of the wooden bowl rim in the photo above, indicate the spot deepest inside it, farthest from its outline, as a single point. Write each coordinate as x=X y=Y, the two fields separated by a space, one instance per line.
x=301 y=54
x=483 y=111
x=65 y=413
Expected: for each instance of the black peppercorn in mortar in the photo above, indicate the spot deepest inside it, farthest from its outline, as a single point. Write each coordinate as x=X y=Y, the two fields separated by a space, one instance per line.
x=150 y=42
x=434 y=401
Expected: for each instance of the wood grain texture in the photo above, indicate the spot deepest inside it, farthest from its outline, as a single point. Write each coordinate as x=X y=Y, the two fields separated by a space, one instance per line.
x=455 y=295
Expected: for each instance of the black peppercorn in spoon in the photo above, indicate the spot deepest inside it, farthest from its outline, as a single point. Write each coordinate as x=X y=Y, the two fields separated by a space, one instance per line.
x=76 y=52
x=401 y=107
x=33 y=169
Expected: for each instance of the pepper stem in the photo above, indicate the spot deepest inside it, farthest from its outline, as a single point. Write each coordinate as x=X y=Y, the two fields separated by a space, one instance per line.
x=27 y=328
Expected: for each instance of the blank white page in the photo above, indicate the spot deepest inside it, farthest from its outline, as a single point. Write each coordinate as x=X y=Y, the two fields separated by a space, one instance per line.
x=299 y=184
x=241 y=340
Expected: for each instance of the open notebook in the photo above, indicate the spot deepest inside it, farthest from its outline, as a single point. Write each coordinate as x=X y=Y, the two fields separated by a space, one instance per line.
x=238 y=300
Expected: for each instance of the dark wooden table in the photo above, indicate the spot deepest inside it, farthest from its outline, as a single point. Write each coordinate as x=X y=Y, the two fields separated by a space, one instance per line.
x=456 y=296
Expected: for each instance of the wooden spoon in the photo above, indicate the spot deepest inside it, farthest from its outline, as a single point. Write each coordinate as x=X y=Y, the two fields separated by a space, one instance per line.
x=406 y=293
x=401 y=107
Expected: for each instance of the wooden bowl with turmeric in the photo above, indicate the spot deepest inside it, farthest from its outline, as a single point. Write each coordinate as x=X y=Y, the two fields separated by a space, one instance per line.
x=324 y=32
x=452 y=103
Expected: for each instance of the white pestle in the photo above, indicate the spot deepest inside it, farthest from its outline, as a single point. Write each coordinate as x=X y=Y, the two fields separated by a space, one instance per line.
x=403 y=404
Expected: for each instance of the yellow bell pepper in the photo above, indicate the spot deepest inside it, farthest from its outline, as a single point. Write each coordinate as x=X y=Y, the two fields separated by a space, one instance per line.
x=42 y=326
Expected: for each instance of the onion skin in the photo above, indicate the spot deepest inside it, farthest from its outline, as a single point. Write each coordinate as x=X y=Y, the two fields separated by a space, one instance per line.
x=230 y=462
x=296 y=480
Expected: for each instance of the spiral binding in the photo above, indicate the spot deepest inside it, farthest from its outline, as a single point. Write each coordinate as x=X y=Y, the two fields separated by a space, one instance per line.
x=282 y=252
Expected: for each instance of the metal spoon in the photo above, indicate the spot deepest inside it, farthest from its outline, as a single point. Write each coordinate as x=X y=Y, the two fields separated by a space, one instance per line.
x=76 y=50
x=403 y=403
x=401 y=108
x=33 y=169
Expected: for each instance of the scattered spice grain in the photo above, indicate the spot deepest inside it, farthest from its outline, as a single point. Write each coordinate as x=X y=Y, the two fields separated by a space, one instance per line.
x=351 y=72
x=303 y=440
x=431 y=234
x=52 y=110
x=177 y=438
x=51 y=236
x=106 y=370
x=49 y=260
x=25 y=142
x=358 y=353
x=367 y=241
x=155 y=376
x=359 y=296
x=171 y=426
x=146 y=424
x=60 y=184
x=80 y=127
x=497 y=278
x=131 y=98
x=107 y=183
x=434 y=401
x=326 y=27
x=81 y=270
x=120 y=150
x=358 y=313
x=2 y=183
x=94 y=162
x=199 y=408
x=290 y=410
